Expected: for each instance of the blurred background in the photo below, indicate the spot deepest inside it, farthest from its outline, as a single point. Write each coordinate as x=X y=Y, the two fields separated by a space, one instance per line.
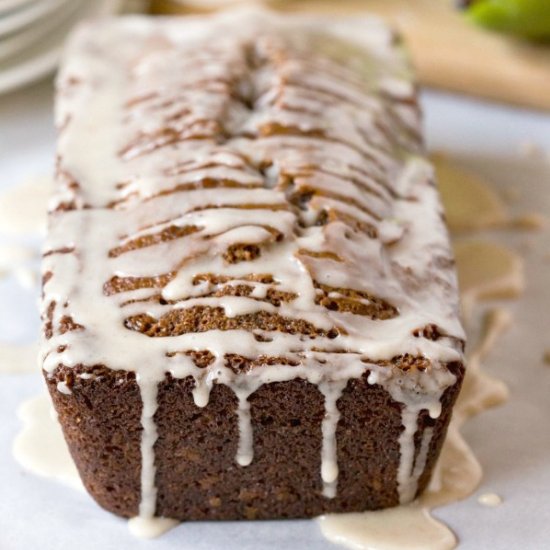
x=496 y=49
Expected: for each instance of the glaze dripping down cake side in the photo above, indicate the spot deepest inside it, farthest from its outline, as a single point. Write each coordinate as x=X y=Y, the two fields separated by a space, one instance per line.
x=249 y=297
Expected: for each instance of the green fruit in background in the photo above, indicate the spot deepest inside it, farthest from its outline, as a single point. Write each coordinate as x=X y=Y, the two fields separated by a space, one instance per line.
x=528 y=18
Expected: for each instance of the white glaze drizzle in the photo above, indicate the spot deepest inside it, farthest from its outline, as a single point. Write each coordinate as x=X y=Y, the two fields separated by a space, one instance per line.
x=491 y=500
x=329 y=460
x=245 y=451
x=348 y=82
x=457 y=473
x=148 y=392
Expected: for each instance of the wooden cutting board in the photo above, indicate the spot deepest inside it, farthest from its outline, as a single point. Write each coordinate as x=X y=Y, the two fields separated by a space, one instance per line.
x=448 y=51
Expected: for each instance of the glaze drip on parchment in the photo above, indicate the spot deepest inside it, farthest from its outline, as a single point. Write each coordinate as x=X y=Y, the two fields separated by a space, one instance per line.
x=40 y=446
x=265 y=176
x=23 y=206
x=457 y=473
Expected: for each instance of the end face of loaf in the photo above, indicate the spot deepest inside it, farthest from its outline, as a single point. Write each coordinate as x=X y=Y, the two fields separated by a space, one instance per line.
x=250 y=306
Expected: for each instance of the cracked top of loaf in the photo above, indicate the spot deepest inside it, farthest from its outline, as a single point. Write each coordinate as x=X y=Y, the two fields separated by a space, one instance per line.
x=248 y=191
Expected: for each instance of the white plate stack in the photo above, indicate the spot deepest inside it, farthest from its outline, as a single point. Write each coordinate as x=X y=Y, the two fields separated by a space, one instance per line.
x=32 y=33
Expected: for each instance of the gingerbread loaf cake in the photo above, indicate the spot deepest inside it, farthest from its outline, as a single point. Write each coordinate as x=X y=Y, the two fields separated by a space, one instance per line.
x=250 y=306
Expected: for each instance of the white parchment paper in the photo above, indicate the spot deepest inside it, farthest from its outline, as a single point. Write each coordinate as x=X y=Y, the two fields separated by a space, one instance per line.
x=512 y=442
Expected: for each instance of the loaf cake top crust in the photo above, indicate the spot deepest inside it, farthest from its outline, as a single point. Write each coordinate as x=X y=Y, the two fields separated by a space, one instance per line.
x=243 y=199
